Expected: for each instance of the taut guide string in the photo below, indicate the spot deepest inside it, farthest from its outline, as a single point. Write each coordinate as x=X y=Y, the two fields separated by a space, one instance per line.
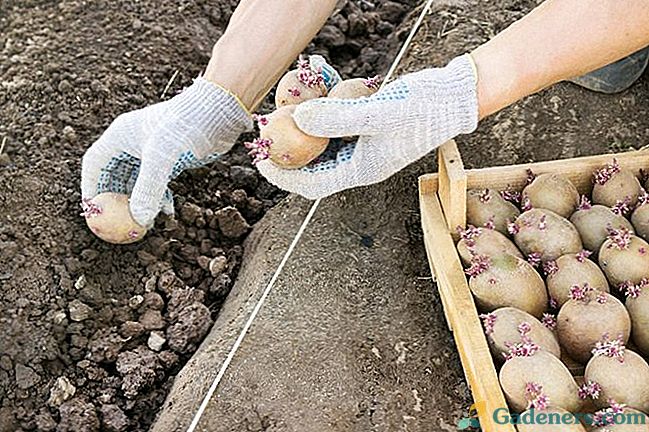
x=289 y=251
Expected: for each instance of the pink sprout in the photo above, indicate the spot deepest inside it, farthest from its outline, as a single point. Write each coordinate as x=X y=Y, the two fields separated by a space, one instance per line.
x=306 y=75
x=534 y=258
x=606 y=416
x=532 y=387
x=553 y=303
x=605 y=173
x=601 y=298
x=543 y=224
x=642 y=250
x=526 y=204
x=485 y=196
x=627 y=287
x=525 y=348
x=622 y=207
x=302 y=63
x=511 y=195
x=489 y=321
x=492 y=281
x=535 y=396
x=583 y=255
x=550 y=267
x=617 y=408
x=549 y=321
x=620 y=238
x=490 y=223
x=590 y=389
x=524 y=328
x=584 y=203
x=133 y=234
x=90 y=208
x=479 y=264
x=530 y=175
x=643 y=199
x=612 y=348
x=579 y=292
x=513 y=228
x=259 y=149
x=373 y=82
x=294 y=91
x=261 y=119
x=634 y=290
x=469 y=235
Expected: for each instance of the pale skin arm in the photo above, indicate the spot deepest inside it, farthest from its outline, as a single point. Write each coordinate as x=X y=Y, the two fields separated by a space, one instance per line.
x=560 y=39
x=261 y=41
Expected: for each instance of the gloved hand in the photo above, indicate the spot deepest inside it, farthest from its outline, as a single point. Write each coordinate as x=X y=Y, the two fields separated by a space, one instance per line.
x=141 y=151
x=396 y=126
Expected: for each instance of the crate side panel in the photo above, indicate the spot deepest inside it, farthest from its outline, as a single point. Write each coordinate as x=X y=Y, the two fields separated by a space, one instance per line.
x=578 y=170
x=462 y=314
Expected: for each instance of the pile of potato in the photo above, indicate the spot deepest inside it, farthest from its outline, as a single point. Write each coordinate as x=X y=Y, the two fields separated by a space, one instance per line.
x=280 y=139
x=562 y=281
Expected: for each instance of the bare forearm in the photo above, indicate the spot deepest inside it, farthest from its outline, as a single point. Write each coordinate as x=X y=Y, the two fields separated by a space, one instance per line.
x=262 y=39
x=560 y=39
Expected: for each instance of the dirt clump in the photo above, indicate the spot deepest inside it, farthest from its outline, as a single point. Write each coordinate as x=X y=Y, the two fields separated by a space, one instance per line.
x=92 y=334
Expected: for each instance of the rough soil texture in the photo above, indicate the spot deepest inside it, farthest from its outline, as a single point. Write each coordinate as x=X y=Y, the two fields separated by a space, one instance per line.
x=353 y=337
x=92 y=335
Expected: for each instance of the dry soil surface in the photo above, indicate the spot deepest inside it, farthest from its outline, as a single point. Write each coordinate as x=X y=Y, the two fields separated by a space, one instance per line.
x=92 y=335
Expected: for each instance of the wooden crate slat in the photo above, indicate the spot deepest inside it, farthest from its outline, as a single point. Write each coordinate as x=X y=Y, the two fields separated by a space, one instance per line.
x=461 y=313
x=440 y=196
x=578 y=170
x=452 y=186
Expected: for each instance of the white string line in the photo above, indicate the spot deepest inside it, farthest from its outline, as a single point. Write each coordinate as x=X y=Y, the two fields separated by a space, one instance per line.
x=289 y=251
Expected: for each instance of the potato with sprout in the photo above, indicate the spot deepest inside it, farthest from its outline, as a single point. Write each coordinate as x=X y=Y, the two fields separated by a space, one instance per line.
x=487 y=207
x=593 y=221
x=640 y=216
x=299 y=85
x=355 y=88
x=614 y=185
x=484 y=241
x=624 y=257
x=552 y=192
x=503 y=330
x=569 y=270
x=617 y=373
x=283 y=142
x=533 y=378
x=507 y=280
x=586 y=317
x=109 y=217
x=543 y=235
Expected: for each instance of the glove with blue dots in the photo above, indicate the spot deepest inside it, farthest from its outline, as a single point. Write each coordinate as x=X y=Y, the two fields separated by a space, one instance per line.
x=141 y=151
x=396 y=126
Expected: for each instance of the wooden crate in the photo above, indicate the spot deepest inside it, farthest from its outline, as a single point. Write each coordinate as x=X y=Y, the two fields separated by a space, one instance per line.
x=443 y=208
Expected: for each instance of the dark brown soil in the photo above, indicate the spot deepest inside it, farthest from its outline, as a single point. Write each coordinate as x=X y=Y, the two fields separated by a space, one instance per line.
x=77 y=316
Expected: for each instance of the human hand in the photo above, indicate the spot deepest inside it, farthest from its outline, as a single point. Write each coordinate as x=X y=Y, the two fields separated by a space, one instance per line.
x=141 y=151
x=396 y=126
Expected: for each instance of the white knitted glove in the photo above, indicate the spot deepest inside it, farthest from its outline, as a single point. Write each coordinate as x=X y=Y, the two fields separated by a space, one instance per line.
x=396 y=126
x=141 y=151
